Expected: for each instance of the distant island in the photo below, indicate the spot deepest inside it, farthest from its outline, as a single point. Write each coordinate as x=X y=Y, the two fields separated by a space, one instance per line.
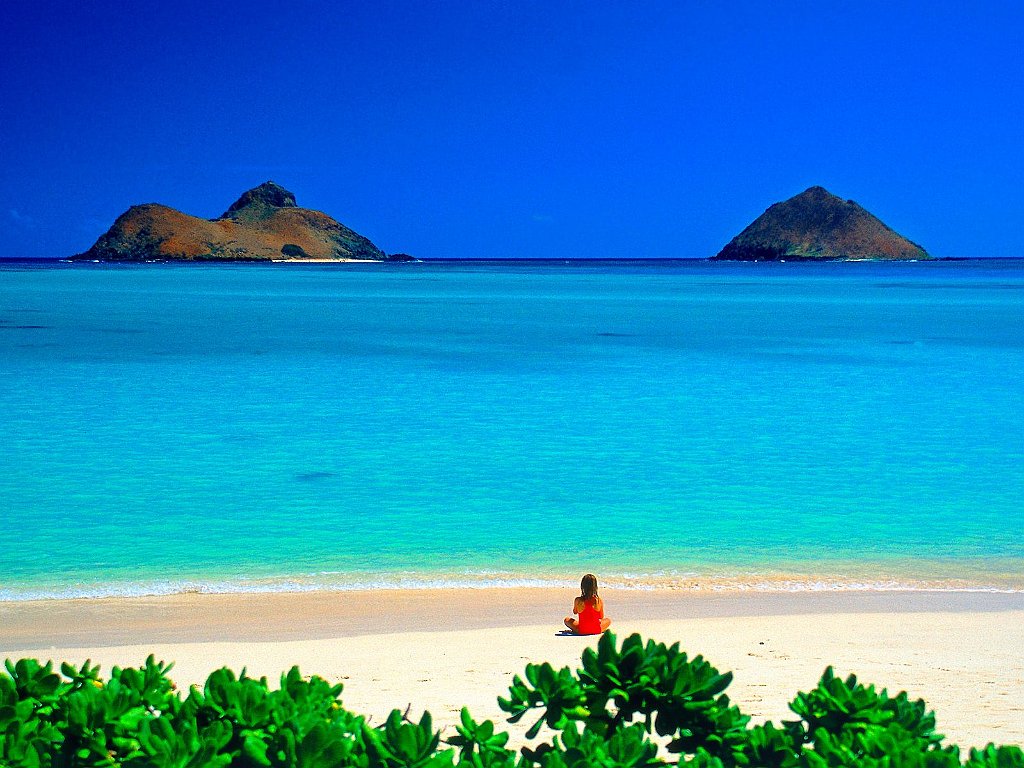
x=264 y=224
x=818 y=226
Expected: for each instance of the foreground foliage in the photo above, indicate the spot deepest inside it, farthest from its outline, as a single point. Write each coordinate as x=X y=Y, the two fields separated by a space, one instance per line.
x=638 y=705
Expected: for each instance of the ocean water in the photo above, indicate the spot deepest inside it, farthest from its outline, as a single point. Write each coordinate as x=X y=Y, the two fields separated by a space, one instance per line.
x=695 y=425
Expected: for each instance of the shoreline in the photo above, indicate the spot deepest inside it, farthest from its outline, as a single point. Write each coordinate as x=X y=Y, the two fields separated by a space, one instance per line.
x=1001 y=581
x=441 y=649
x=287 y=616
x=535 y=260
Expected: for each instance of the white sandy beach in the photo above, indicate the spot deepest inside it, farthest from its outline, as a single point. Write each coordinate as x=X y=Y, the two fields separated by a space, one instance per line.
x=441 y=650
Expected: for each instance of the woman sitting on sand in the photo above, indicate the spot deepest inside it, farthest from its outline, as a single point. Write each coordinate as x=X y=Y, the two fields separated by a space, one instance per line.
x=590 y=609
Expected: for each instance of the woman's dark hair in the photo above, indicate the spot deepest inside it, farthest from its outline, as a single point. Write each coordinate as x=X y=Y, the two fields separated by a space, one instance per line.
x=589 y=586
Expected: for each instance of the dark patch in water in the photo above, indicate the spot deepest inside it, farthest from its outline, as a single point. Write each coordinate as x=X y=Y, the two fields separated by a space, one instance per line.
x=6 y=327
x=308 y=477
x=611 y=334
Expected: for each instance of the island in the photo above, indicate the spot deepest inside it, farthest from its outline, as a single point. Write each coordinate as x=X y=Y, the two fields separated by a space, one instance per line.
x=819 y=226
x=264 y=224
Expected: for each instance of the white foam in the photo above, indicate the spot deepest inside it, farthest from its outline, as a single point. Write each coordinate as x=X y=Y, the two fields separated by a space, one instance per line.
x=337 y=581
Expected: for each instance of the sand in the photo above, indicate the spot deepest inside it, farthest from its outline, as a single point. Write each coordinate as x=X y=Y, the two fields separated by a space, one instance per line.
x=439 y=650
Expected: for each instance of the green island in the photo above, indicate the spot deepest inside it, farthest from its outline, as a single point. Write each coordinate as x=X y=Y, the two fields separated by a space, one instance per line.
x=638 y=705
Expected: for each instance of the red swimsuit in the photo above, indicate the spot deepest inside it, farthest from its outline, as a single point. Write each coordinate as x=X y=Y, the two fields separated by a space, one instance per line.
x=590 y=619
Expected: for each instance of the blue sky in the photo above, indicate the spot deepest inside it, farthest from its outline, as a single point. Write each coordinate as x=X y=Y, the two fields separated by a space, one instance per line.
x=504 y=129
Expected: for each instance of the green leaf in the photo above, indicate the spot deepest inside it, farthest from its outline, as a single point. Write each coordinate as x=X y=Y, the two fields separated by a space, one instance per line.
x=255 y=749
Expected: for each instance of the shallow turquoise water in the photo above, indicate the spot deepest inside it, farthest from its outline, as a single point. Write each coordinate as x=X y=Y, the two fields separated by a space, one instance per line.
x=226 y=427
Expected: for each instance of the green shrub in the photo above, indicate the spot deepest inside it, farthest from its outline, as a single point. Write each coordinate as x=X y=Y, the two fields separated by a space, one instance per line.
x=640 y=705
x=293 y=251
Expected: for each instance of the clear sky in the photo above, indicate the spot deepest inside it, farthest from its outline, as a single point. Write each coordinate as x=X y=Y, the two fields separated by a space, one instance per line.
x=502 y=129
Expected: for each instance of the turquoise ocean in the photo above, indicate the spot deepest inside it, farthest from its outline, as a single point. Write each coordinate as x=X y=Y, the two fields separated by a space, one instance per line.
x=696 y=425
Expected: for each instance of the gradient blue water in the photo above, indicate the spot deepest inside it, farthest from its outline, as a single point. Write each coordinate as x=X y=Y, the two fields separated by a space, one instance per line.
x=169 y=427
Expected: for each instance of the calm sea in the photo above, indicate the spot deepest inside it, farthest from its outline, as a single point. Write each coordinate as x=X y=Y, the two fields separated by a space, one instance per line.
x=275 y=427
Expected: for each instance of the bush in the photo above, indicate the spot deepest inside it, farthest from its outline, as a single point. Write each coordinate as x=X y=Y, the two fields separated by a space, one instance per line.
x=293 y=251
x=605 y=715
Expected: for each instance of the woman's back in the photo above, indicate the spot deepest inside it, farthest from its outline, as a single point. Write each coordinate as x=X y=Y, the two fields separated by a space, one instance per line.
x=590 y=612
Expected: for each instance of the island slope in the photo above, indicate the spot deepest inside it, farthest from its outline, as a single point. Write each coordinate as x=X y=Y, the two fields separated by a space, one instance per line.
x=264 y=224
x=817 y=225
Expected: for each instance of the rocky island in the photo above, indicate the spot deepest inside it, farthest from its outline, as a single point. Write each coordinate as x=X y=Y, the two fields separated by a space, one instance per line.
x=264 y=224
x=818 y=226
